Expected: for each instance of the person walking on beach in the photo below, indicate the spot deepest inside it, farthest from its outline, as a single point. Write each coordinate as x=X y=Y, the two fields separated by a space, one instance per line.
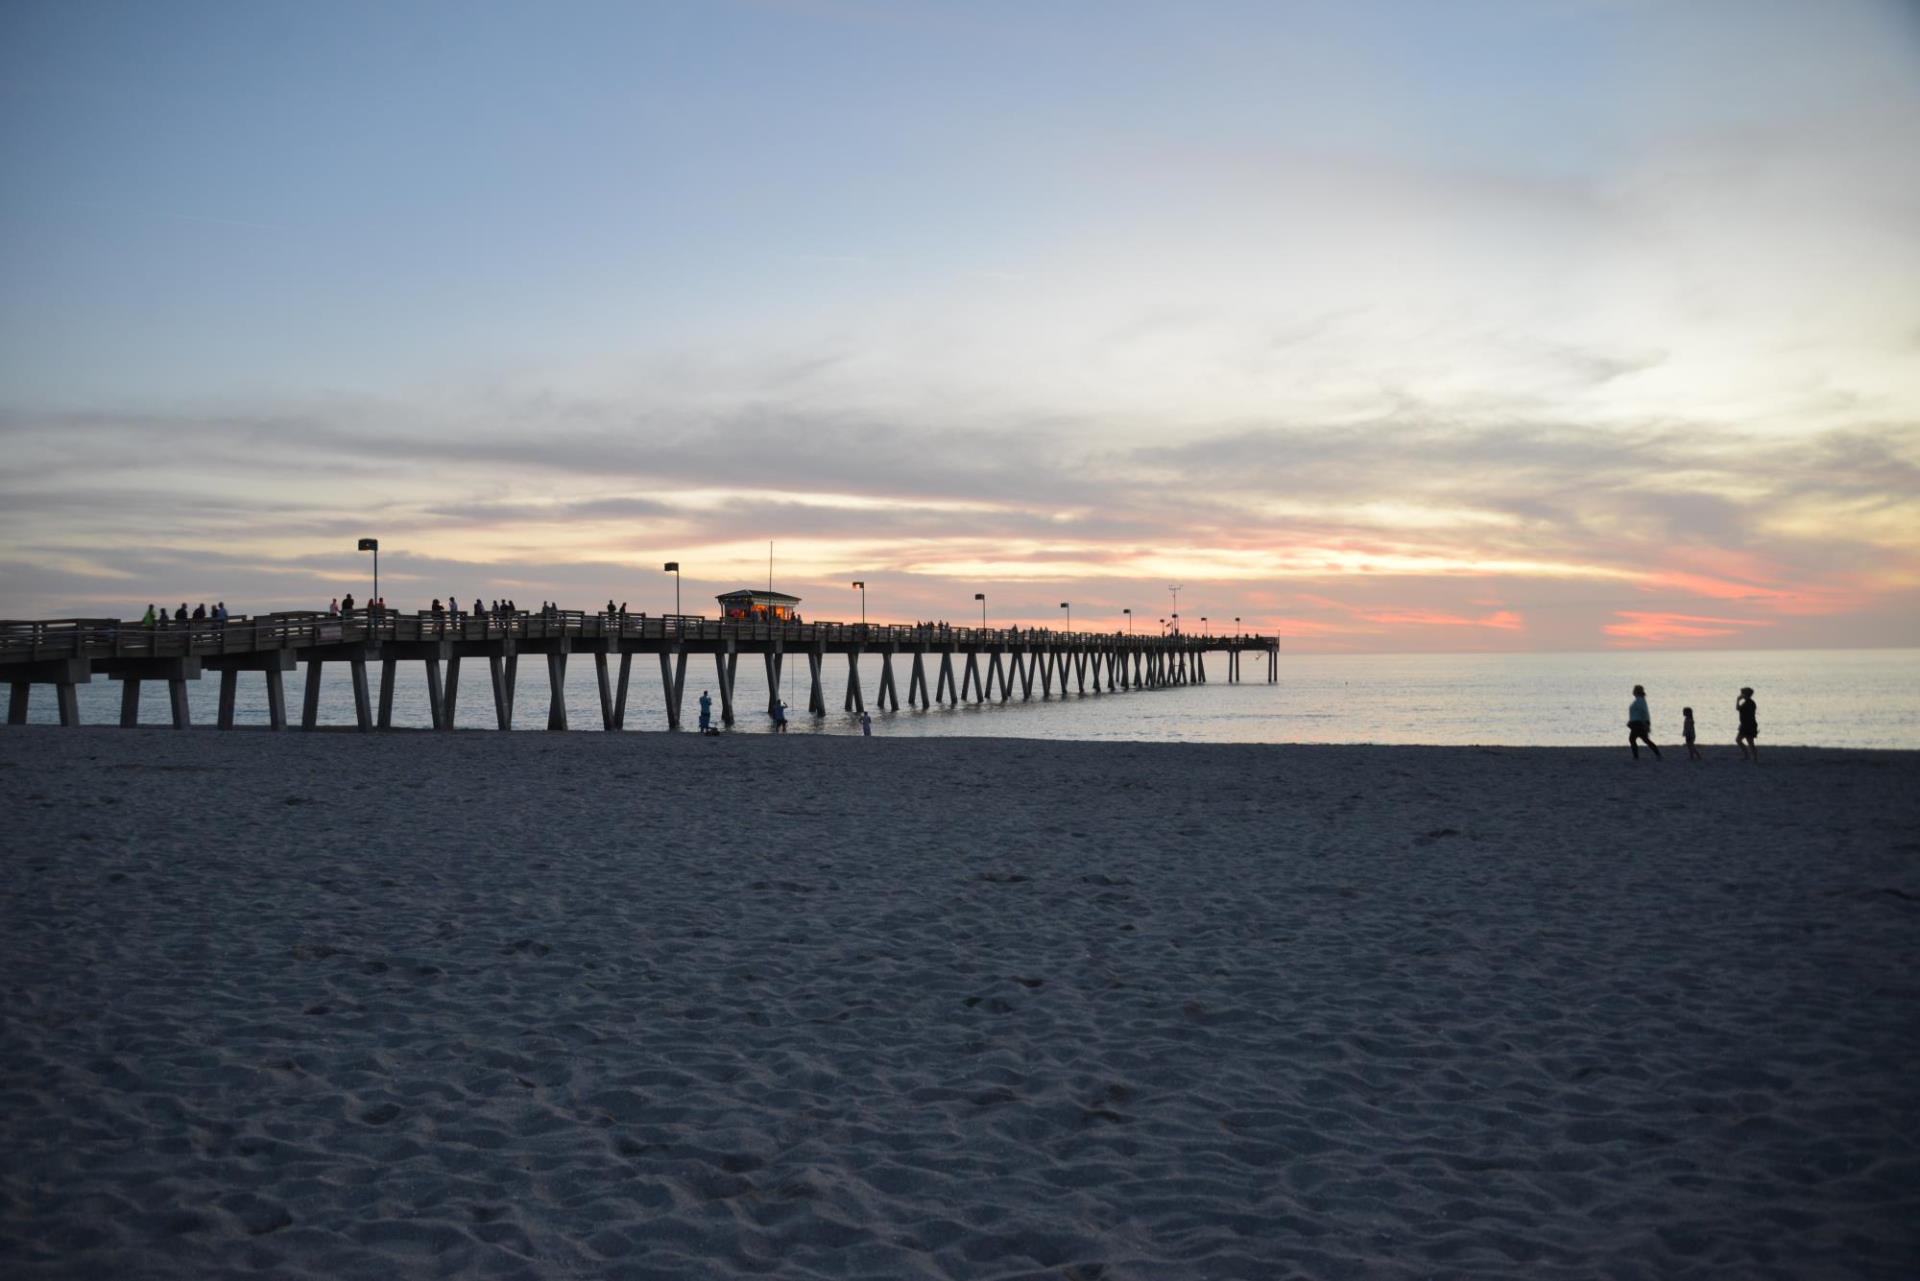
x=1749 y=725
x=706 y=710
x=1640 y=724
x=1686 y=732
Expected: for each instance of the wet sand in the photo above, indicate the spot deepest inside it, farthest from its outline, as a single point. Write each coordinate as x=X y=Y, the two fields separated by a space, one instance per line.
x=655 y=1005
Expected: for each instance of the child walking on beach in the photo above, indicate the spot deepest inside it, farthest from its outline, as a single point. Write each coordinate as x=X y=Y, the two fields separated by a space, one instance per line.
x=1640 y=724
x=1686 y=732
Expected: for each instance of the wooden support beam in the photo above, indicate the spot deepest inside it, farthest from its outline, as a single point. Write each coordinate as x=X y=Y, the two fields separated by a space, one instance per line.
x=502 y=692
x=775 y=658
x=68 y=697
x=917 y=682
x=673 y=681
x=362 y=697
x=1080 y=669
x=996 y=672
x=855 y=701
x=816 y=695
x=276 y=699
x=229 y=687
x=310 y=709
x=17 y=703
x=434 y=693
x=945 y=690
x=620 y=691
x=389 y=668
x=724 y=665
x=605 y=682
x=557 y=689
x=130 y=701
x=889 y=692
x=450 y=696
x=970 y=682
x=177 y=695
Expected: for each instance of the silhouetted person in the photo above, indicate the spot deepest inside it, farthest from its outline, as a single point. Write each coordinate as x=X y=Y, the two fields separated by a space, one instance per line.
x=1686 y=732
x=333 y=608
x=1640 y=724
x=1749 y=724
x=779 y=718
x=150 y=618
x=706 y=710
x=180 y=615
x=346 y=605
x=866 y=724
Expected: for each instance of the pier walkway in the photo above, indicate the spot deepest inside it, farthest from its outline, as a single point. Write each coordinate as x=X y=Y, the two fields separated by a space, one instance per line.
x=946 y=665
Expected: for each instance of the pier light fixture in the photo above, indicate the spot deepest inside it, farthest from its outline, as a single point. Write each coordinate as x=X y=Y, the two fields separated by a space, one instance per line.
x=1176 y=624
x=1203 y=625
x=1068 y=606
x=673 y=567
x=373 y=545
x=1129 y=614
x=1236 y=624
x=863 y=602
x=982 y=598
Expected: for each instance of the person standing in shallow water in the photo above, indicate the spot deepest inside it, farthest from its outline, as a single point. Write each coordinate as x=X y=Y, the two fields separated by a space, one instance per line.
x=1640 y=724
x=1749 y=725
x=706 y=710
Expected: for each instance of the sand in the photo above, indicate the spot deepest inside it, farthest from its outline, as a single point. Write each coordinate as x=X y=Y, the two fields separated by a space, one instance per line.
x=655 y=1005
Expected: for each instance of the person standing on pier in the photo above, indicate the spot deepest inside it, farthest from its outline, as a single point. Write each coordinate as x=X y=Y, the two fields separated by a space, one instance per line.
x=148 y=621
x=1640 y=724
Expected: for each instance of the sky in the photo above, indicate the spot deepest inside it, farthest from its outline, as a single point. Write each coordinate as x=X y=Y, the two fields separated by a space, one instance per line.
x=1540 y=325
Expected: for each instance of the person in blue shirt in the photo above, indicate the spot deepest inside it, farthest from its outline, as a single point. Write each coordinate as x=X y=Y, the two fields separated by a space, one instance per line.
x=706 y=710
x=1640 y=724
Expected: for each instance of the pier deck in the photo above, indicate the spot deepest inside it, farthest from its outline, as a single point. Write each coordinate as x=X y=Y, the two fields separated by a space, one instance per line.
x=948 y=665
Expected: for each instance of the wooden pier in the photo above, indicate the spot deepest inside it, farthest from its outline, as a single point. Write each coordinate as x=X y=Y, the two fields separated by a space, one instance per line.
x=945 y=665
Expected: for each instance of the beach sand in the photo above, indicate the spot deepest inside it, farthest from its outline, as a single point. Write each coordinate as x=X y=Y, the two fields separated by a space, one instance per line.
x=648 y=1005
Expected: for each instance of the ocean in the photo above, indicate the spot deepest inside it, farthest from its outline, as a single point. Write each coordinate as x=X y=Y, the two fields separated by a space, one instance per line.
x=1824 y=698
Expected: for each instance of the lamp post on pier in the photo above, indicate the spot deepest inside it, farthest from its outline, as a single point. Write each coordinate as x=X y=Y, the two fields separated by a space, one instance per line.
x=1203 y=626
x=1176 y=624
x=1129 y=614
x=1236 y=624
x=673 y=567
x=1068 y=606
x=863 y=603
x=373 y=545
x=982 y=598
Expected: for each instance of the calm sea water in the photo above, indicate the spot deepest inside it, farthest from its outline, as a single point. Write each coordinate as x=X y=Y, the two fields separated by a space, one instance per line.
x=1827 y=698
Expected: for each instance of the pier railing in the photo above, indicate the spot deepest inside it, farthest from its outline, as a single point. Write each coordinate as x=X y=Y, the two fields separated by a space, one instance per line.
x=32 y=641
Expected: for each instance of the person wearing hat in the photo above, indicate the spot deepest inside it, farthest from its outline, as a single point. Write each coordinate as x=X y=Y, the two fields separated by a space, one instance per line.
x=1640 y=724
x=1749 y=725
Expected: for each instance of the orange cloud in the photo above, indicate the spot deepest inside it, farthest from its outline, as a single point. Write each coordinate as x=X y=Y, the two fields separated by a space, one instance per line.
x=1504 y=620
x=1644 y=628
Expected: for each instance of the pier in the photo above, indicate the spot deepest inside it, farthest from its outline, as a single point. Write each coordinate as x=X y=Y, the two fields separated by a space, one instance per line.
x=944 y=665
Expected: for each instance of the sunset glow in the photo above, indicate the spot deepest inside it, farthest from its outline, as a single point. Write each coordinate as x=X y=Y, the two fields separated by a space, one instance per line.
x=1614 y=341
